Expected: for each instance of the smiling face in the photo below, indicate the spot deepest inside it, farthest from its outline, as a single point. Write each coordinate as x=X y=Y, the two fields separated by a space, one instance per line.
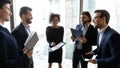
x=5 y=12
x=28 y=17
x=84 y=19
x=55 y=21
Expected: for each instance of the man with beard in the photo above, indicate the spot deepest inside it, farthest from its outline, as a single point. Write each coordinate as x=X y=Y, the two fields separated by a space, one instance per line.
x=84 y=43
x=22 y=31
x=108 y=42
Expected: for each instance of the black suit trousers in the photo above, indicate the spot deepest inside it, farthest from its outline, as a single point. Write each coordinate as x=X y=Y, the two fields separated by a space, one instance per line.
x=77 y=57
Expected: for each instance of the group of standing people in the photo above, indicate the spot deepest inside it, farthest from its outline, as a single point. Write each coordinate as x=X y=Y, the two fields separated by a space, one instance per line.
x=106 y=39
x=12 y=48
x=101 y=34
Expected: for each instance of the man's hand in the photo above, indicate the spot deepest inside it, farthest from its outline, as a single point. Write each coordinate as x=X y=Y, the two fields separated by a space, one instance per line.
x=89 y=53
x=72 y=38
x=29 y=53
x=94 y=61
x=82 y=39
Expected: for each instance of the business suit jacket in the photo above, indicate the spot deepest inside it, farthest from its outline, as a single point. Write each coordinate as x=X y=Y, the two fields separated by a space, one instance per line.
x=79 y=54
x=91 y=36
x=108 y=52
x=21 y=35
x=9 y=51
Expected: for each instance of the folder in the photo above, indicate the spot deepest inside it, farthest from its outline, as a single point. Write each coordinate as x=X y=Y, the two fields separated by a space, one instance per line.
x=76 y=33
x=59 y=45
x=31 y=41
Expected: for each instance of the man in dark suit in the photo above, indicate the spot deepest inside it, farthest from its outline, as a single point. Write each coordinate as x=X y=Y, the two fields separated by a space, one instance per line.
x=108 y=44
x=9 y=50
x=22 y=31
x=83 y=44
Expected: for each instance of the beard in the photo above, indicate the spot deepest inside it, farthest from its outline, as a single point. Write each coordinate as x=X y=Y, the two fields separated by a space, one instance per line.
x=85 y=22
x=28 y=21
x=7 y=20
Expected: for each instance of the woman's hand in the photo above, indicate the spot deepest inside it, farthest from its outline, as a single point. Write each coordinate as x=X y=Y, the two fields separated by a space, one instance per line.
x=53 y=44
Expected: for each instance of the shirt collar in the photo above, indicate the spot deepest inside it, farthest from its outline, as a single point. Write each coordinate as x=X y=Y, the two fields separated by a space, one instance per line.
x=1 y=24
x=26 y=26
x=102 y=30
x=85 y=26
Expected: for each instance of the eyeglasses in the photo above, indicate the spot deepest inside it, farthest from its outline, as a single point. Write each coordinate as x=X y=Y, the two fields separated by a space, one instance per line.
x=97 y=17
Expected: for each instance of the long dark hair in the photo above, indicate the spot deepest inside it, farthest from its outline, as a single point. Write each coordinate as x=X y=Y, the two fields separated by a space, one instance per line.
x=87 y=14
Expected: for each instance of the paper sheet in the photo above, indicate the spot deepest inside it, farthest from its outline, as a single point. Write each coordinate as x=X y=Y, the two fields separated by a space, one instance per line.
x=57 y=46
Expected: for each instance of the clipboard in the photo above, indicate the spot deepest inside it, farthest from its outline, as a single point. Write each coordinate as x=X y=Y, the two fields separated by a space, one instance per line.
x=31 y=41
x=76 y=33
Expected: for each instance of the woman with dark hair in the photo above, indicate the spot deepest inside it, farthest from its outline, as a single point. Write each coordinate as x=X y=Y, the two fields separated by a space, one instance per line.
x=54 y=34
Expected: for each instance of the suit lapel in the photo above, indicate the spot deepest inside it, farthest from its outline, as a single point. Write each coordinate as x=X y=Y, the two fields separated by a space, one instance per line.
x=88 y=31
x=23 y=29
x=4 y=29
x=79 y=27
x=105 y=37
x=8 y=34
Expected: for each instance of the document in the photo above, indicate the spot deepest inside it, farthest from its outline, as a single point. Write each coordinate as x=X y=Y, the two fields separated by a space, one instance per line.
x=76 y=33
x=57 y=46
x=31 y=41
x=86 y=59
x=94 y=56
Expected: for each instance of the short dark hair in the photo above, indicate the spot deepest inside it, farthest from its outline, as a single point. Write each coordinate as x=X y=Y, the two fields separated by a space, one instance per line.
x=52 y=15
x=87 y=14
x=103 y=13
x=23 y=10
x=3 y=2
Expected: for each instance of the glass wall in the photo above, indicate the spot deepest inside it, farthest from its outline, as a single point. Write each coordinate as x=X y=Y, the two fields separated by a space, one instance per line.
x=71 y=19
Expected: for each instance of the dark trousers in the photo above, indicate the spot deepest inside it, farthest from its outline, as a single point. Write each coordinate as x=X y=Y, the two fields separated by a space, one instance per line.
x=31 y=64
x=77 y=57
